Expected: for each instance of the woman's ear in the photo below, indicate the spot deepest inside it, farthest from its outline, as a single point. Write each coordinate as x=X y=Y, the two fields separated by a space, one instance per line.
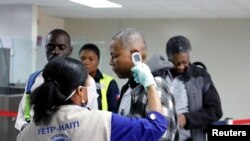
x=82 y=92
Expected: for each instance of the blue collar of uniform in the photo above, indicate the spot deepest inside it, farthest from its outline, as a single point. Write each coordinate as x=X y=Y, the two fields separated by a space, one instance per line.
x=98 y=75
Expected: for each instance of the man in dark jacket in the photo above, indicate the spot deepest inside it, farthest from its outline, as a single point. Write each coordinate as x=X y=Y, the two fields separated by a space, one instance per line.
x=197 y=100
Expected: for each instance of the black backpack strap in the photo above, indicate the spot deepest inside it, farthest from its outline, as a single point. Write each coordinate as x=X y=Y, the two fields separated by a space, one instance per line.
x=200 y=64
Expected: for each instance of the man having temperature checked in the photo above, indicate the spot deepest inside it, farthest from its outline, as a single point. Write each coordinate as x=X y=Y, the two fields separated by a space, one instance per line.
x=127 y=50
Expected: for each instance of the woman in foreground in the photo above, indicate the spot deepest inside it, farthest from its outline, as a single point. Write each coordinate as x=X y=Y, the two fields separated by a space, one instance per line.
x=60 y=113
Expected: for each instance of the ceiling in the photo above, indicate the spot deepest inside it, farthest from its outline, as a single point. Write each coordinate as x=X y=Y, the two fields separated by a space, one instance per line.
x=144 y=9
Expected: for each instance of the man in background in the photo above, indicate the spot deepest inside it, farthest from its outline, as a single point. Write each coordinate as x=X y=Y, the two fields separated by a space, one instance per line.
x=197 y=100
x=58 y=43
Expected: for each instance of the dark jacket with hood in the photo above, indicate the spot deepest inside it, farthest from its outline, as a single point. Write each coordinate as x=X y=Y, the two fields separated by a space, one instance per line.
x=203 y=102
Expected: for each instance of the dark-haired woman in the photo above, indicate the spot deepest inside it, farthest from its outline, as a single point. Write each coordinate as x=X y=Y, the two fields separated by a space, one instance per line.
x=60 y=113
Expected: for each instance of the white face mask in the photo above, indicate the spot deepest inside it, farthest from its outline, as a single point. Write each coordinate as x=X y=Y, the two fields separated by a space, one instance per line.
x=71 y=95
x=92 y=95
x=83 y=102
x=92 y=98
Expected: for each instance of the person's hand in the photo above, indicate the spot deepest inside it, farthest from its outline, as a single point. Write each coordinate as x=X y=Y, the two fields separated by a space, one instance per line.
x=143 y=75
x=182 y=120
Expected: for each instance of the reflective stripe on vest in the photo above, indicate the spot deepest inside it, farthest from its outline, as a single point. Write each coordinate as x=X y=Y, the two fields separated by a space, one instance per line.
x=104 y=82
x=27 y=107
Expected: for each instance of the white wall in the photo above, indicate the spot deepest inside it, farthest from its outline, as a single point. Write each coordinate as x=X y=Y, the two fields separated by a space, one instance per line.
x=47 y=23
x=221 y=44
x=17 y=27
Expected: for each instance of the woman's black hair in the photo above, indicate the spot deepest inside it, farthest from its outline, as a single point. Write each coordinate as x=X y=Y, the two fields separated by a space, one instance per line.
x=62 y=76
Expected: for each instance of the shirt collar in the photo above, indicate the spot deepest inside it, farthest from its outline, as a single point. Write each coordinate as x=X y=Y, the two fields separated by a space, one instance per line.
x=132 y=84
x=186 y=75
x=98 y=75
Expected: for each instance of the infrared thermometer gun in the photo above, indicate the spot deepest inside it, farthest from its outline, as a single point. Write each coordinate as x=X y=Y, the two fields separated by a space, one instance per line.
x=136 y=58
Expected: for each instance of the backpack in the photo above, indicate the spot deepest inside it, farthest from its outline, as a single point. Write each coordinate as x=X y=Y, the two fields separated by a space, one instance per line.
x=200 y=65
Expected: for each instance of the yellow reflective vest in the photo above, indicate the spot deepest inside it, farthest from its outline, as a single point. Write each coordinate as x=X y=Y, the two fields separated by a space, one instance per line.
x=104 y=84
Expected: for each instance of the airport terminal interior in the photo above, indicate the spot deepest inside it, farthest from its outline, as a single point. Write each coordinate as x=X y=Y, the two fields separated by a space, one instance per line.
x=218 y=31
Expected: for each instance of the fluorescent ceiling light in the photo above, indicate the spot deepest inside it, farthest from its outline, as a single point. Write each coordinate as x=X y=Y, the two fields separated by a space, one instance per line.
x=98 y=3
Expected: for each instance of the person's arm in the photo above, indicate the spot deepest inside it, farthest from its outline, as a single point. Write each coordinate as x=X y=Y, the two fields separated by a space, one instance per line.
x=211 y=111
x=34 y=81
x=112 y=95
x=150 y=128
x=154 y=102
x=20 y=120
x=167 y=99
x=143 y=75
x=169 y=111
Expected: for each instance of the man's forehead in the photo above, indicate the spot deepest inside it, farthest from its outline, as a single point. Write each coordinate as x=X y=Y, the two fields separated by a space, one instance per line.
x=118 y=50
x=57 y=36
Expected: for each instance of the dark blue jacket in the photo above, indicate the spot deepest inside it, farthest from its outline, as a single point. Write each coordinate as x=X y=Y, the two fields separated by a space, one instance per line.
x=203 y=101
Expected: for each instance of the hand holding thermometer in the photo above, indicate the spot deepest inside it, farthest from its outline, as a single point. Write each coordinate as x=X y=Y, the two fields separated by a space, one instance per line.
x=141 y=72
x=136 y=58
